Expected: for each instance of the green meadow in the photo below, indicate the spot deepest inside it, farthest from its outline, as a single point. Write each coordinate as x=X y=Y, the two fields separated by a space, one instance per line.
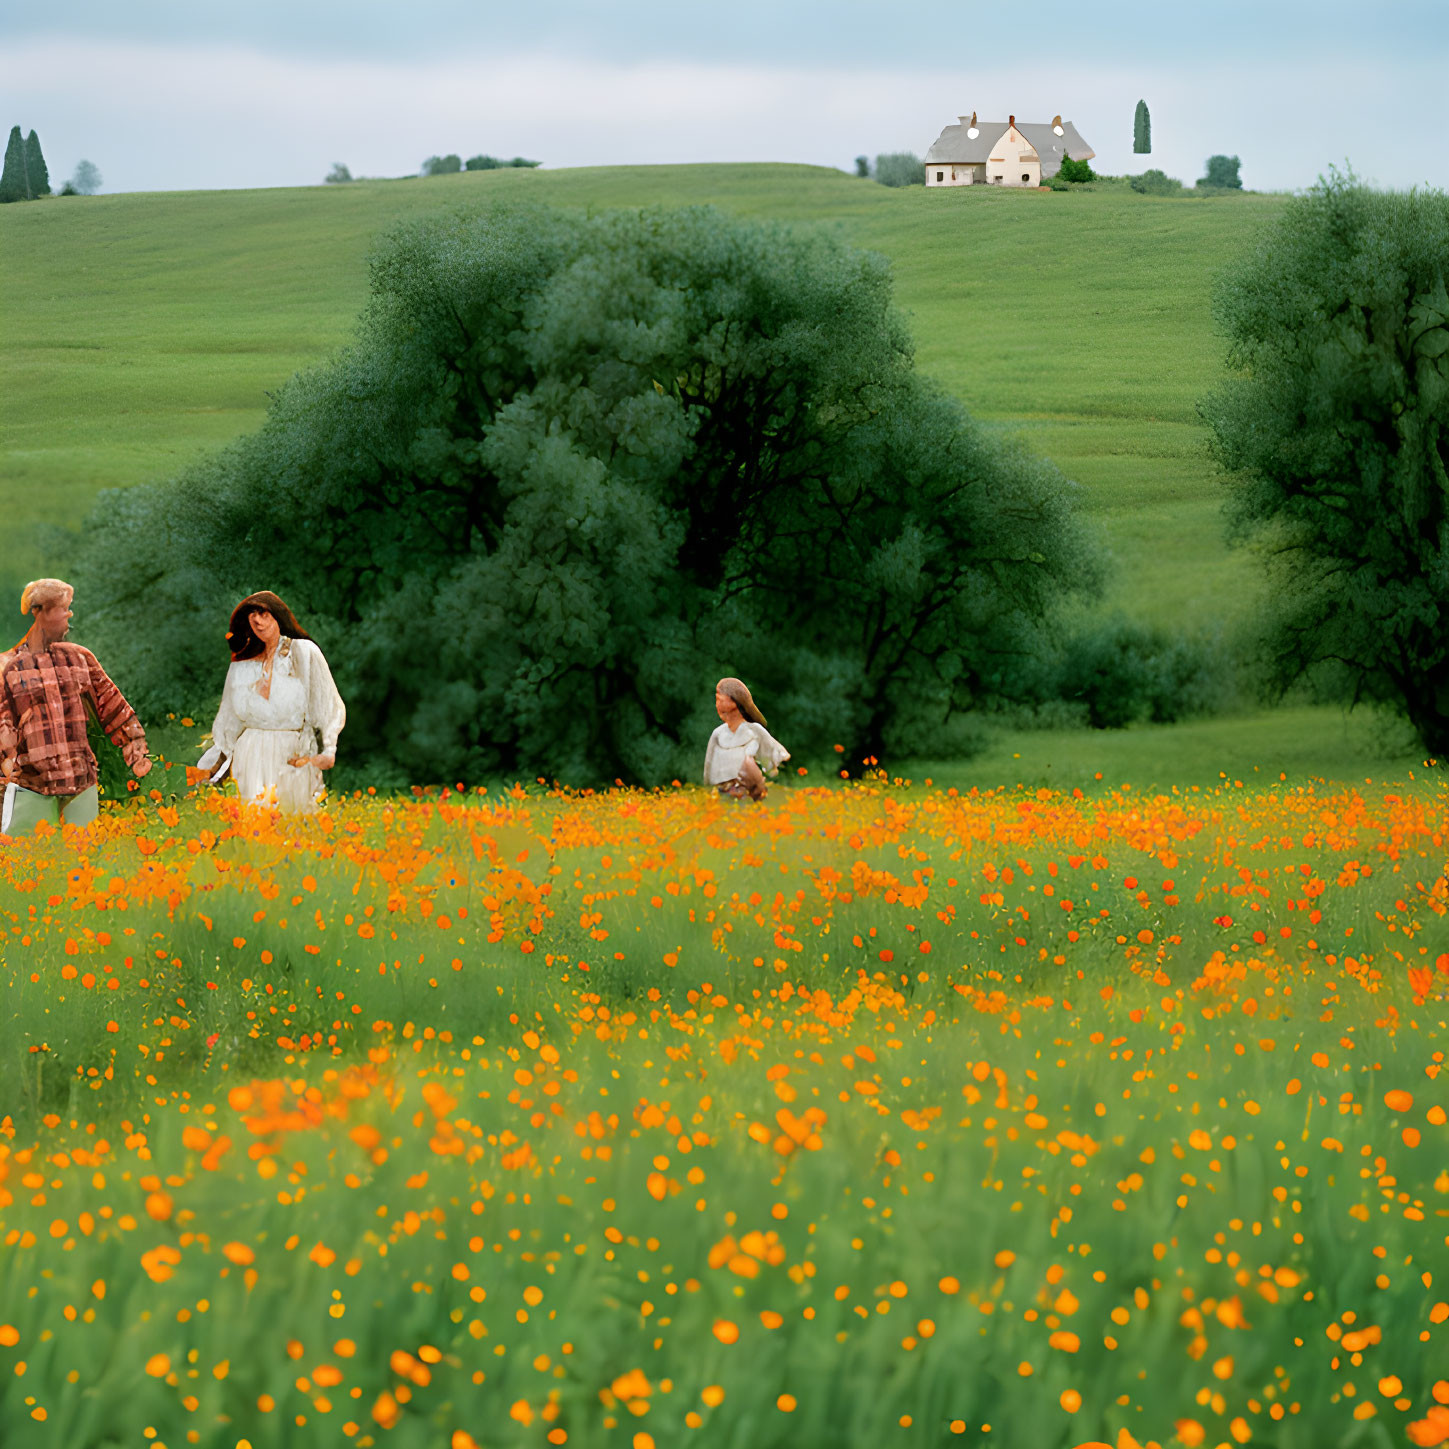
x=918 y=1114
x=145 y=329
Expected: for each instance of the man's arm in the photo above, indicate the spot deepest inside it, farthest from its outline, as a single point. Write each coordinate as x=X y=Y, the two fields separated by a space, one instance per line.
x=118 y=719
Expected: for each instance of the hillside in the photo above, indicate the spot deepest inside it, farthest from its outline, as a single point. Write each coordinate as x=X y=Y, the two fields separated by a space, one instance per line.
x=145 y=329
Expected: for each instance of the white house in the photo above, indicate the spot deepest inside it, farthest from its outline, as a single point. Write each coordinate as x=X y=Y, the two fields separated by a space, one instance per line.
x=1002 y=153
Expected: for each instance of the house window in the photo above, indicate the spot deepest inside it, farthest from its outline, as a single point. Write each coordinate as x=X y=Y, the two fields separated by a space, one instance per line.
x=940 y=175
x=1026 y=175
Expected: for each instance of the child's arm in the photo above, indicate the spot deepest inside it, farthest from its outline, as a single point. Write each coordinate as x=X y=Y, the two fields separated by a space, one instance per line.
x=769 y=752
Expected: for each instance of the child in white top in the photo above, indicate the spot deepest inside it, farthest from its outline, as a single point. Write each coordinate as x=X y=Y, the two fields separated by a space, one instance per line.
x=741 y=749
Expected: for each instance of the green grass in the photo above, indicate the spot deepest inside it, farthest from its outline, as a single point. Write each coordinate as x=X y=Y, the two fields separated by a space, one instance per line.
x=144 y=330
x=1301 y=743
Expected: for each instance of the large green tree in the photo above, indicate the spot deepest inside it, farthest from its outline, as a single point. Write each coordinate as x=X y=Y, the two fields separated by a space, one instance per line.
x=37 y=173
x=12 y=177
x=573 y=470
x=1335 y=432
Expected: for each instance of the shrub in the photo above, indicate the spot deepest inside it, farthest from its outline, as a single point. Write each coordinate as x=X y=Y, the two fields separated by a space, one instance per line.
x=338 y=174
x=1156 y=183
x=1076 y=171
x=442 y=165
x=1121 y=672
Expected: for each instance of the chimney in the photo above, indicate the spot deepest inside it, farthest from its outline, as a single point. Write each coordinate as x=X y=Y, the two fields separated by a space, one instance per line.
x=1011 y=120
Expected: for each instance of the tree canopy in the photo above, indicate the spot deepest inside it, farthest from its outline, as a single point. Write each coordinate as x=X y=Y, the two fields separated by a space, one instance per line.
x=576 y=468
x=1223 y=172
x=496 y=163
x=1336 y=435
x=86 y=179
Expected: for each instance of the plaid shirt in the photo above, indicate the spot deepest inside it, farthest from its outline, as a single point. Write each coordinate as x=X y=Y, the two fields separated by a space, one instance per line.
x=43 y=700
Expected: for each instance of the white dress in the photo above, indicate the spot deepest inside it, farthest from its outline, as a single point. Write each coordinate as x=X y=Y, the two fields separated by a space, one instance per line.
x=302 y=715
x=728 y=750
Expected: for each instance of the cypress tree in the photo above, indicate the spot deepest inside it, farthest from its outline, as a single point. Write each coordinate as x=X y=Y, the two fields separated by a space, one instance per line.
x=36 y=171
x=12 y=178
x=1142 y=130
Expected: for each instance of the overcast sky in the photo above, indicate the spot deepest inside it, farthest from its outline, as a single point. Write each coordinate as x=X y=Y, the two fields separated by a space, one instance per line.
x=178 y=94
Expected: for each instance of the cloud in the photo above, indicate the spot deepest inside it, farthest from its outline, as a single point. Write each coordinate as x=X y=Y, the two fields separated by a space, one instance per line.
x=156 y=116
x=814 y=33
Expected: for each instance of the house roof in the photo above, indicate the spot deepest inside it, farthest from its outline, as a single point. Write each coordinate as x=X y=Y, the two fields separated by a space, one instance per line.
x=954 y=146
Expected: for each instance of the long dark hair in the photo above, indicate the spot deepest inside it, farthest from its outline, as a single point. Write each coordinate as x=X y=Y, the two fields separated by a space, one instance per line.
x=239 y=637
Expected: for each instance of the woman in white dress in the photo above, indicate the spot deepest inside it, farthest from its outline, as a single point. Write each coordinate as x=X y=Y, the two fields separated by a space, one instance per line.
x=280 y=712
x=741 y=749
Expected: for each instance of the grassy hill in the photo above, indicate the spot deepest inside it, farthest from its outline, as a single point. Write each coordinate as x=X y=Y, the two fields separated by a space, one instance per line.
x=145 y=329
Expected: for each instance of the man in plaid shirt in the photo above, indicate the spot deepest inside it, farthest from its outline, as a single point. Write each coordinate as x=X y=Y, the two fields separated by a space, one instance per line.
x=47 y=689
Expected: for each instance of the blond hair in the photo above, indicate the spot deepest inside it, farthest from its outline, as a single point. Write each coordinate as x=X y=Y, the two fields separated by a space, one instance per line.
x=738 y=691
x=40 y=594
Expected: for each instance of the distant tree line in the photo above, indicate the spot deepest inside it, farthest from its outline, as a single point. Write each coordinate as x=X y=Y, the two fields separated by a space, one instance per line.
x=1222 y=175
x=26 y=177
x=450 y=164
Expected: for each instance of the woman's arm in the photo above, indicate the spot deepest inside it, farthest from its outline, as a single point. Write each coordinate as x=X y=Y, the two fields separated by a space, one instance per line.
x=326 y=713
x=226 y=728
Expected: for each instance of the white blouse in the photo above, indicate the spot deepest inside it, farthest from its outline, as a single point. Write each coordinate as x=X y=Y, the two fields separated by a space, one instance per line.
x=302 y=699
x=728 y=750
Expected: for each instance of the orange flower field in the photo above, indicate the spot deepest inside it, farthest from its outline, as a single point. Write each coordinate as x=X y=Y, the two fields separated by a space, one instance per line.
x=875 y=1114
